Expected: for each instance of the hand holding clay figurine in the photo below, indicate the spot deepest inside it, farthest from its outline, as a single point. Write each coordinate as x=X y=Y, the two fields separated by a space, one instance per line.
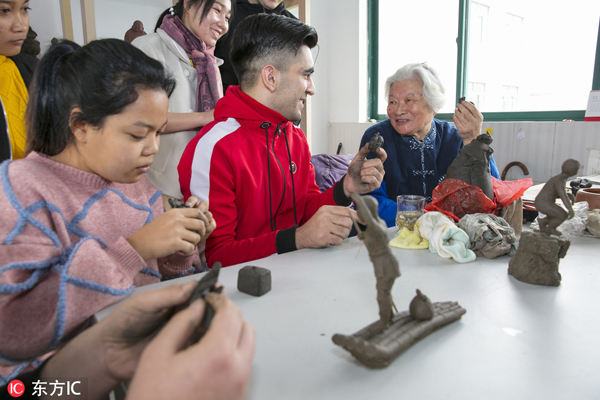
x=545 y=201
x=179 y=229
x=142 y=340
x=364 y=175
x=468 y=120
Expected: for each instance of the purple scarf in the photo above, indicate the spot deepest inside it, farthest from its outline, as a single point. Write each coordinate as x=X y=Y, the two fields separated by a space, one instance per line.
x=210 y=87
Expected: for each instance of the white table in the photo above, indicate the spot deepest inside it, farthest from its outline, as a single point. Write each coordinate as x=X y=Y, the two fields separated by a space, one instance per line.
x=516 y=341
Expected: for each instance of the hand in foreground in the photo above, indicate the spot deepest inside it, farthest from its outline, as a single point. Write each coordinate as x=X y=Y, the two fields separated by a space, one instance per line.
x=217 y=367
x=330 y=225
x=468 y=121
x=109 y=351
x=179 y=229
x=364 y=175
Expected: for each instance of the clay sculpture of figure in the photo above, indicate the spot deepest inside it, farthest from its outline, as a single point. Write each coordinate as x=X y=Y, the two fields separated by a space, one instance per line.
x=472 y=165
x=136 y=30
x=379 y=343
x=539 y=253
x=376 y=240
x=375 y=142
x=545 y=201
x=207 y=284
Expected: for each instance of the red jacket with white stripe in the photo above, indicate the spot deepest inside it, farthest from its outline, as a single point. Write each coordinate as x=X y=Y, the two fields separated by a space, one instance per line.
x=250 y=187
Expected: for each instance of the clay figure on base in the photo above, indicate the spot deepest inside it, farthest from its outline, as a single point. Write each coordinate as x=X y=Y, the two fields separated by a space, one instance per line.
x=545 y=201
x=472 y=165
x=375 y=237
x=377 y=349
x=539 y=253
x=379 y=343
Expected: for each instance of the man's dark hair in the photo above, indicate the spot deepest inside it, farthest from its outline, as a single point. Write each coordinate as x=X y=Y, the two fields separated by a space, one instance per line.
x=265 y=39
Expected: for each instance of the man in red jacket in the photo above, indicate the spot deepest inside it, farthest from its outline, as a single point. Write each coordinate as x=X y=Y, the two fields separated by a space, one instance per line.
x=253 y=165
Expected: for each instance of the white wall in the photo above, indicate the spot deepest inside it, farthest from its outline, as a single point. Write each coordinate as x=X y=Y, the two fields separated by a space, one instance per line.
x=115 y=17
x=45 y=19
x=341 y=69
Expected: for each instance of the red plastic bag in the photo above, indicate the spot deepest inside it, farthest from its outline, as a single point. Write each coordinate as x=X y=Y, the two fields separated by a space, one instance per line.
x=456 y=198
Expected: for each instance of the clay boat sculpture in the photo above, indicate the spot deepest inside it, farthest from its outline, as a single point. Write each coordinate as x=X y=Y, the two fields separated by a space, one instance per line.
x=377 y=349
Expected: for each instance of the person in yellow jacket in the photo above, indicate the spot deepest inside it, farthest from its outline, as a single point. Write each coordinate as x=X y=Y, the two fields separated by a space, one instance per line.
x=15 y=72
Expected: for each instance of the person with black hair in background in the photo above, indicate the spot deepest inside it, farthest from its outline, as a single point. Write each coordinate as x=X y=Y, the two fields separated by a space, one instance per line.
x=16 y=70
x=244 y=9
x=253 y=165
x=184 y=42
x=81 y=226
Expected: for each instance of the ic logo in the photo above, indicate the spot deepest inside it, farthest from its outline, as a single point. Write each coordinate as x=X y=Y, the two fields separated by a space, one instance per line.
x=293 y=167
x=16 y=388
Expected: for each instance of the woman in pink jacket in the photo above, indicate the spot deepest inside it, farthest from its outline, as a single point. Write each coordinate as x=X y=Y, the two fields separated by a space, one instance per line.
x=80 y=224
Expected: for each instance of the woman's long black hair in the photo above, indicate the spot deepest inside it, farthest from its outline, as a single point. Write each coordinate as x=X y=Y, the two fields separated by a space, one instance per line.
x=100 y=78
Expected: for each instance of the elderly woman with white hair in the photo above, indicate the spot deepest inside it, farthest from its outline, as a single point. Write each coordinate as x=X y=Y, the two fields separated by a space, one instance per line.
x=420 y=148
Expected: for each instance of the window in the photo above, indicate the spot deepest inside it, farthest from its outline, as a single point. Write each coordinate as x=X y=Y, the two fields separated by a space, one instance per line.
x=516 y=60
x=510 y=98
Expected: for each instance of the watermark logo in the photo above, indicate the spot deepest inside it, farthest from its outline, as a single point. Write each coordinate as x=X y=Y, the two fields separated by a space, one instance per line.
x=56 y=388
x=49 y=388
x=16 y=388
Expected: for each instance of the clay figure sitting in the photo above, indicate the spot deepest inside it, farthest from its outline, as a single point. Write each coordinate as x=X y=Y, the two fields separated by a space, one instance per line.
x=472 y=165
x=136 y=30
x=545 y=201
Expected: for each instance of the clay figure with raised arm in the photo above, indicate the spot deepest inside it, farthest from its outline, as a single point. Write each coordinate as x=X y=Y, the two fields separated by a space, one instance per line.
x=375 y=237
x=545 y=201
x=253 y=165
x=420 y=148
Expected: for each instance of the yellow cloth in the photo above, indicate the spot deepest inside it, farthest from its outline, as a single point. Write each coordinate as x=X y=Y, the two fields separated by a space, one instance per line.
x=14 y=97
x=407 y=239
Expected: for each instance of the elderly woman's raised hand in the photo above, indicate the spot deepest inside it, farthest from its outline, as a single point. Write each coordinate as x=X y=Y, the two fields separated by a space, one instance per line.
x=468 y=121
x=364 y=175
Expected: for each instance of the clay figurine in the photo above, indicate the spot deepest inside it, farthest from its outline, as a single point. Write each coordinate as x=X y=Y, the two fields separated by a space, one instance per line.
x=375 y=142
x=545 y=201
x=539 y=253
x=136 y=30
x=175 y=203
x=375 y=237
x=205 y=285
x=472 y=165
x=377 y=349
x=379 y=343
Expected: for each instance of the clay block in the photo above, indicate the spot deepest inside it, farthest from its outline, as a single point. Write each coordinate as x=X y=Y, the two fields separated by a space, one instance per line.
x=254 y=281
